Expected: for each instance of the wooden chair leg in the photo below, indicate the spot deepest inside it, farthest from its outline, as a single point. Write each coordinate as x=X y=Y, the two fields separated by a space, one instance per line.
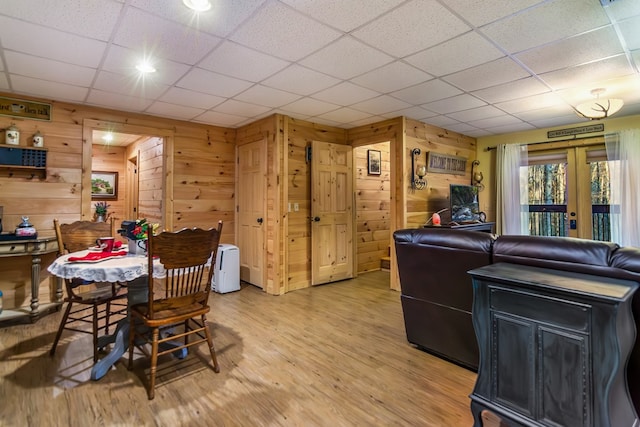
x=132 y=333
x=60 y=328
x=95 y=332
x=154 y=363
x=216 y=368
x=106 y=317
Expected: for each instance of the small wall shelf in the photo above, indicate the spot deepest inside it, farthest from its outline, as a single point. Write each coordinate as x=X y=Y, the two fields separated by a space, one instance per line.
x=23 y=161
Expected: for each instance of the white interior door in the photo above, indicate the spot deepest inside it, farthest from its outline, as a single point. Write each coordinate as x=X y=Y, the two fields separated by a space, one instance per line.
x=331 y=212
x=251 y=195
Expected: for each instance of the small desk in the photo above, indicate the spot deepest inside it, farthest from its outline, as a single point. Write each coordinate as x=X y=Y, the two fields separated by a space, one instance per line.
x=35 y=248
x=474 y=226
x=132 y=269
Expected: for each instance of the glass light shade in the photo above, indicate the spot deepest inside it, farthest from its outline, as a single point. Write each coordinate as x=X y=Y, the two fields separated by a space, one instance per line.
x=599 y=108
x=421 y=171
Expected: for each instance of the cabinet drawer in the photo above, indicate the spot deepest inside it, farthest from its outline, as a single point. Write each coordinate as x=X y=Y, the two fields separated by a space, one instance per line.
x=559 y=312
x=13 y=248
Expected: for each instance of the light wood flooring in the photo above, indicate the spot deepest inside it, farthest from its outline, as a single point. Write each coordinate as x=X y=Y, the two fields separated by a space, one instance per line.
x=332 y=355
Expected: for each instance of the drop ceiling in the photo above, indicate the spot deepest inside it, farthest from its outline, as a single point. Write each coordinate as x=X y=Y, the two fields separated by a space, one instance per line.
x=478 y=67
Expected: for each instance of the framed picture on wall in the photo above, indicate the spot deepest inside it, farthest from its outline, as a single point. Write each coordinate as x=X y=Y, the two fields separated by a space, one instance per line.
x=373 y=162
x=104 y=185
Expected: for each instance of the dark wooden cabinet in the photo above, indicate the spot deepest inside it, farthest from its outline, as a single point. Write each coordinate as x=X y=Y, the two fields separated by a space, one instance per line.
x=553 y=346
x=17 y=160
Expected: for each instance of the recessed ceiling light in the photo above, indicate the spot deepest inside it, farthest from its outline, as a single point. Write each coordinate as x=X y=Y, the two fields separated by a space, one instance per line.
x=198 y=5
x=108 y=137
x=145 y=67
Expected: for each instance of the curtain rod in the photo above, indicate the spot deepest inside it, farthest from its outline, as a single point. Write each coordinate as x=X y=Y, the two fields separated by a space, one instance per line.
x=558 y=140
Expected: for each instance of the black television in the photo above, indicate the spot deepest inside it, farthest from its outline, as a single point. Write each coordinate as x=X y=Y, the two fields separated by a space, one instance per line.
x=464 y=203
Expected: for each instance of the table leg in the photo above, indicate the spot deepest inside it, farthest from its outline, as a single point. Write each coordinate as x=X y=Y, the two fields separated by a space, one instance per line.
x=35 y=284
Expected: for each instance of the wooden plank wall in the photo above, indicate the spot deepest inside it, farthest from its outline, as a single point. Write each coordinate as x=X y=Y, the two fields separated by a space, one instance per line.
x=150 y=178
x=373 y=208
x=108 y=158
x=298 y=234
x=421 y=204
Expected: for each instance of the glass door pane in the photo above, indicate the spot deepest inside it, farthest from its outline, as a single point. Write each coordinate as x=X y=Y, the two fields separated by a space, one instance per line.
x=547 y=199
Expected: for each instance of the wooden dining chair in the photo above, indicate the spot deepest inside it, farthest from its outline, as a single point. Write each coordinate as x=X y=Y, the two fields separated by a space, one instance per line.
x=81 y=294
x=180 y=299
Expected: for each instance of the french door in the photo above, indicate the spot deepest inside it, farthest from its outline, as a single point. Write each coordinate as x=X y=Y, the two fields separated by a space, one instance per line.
x=569 y=191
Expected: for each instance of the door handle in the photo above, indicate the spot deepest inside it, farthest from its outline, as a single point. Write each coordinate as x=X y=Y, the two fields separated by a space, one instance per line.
x=259 y=220
x=316 y=219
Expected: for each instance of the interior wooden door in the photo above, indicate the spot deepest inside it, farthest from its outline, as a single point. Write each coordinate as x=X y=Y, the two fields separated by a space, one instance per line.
x=331 y=212
x=251 y=195
x=133 y=186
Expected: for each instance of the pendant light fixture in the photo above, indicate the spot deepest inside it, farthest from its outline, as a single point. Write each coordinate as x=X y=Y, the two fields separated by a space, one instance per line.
x=599 y=108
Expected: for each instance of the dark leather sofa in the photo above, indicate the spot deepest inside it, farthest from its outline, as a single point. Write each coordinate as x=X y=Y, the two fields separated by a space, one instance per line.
x=437 y=293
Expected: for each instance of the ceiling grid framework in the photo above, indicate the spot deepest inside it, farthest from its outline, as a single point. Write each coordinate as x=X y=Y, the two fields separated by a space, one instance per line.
x=475 y=67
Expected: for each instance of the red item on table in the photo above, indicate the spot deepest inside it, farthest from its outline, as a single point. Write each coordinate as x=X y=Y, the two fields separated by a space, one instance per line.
x=97 y=256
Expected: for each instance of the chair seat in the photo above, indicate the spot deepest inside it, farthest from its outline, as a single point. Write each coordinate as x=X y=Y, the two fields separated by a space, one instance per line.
x=169 y=316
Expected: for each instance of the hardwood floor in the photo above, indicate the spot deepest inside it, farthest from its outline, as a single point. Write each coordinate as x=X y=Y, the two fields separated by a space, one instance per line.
x=333 y=355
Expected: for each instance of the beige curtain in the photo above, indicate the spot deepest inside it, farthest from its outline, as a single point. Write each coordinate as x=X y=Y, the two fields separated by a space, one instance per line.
x=623 y=153
x=512 y=206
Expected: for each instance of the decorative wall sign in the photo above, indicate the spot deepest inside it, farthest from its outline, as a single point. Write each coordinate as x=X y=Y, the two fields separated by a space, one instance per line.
x=374 y=162
x=443 y=163
x=575 y=131
x=25 y=109
x=104 y=185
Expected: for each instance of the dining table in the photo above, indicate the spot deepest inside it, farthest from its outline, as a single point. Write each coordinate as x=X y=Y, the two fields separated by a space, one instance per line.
x=120 y=266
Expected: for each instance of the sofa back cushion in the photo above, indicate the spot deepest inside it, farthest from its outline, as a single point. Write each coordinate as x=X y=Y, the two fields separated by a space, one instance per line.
x=433 y=263
x=560 y=253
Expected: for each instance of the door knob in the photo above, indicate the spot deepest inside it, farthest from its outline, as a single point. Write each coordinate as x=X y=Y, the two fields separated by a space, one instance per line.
x=316 y=219
x=259 y=220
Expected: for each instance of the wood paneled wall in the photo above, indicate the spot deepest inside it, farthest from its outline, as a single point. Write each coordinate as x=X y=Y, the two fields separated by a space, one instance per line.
x=111 y=159
x=373 y=208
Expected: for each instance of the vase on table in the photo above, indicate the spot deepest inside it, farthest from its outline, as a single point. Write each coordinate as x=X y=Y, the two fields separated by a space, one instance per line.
x=100 y=218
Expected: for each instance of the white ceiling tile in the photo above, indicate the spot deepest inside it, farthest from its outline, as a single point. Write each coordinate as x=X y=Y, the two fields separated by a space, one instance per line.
x=559 y=111
x=478 y=133
x=49 y=43
x=267 y=96
x=241 y=62
x=344 y=15
x=309 y=107
x=630 y=30
x=391 y=77
x=511 y=128
x=176 y=95
x=461 y=128
x=91 y=18
x=483 y=12
x=588 y=74
x=180 y=112
x=490 y=74
x=128 y=85
x=345 y=94
x=415 y=113
x=4 y=82
x=621 y=10
x=117 y=101
x=545 y=23
x=445 y=58
x=220 y=20
x=346 y=58
x=512 y=90
x=577 y=50
x=238 y=108
x=545 y=100
x=381 y=105
x=414 y=26
x=48 y=69
x=426 y=92
x=213 y=83
x=476 y=113
x=291 y=35
x=343 y=115
x=455 y=103
x=491 y=122
x=48 y=90
x=156 y=37
x=122 y=60
x=219 y=119
x=442 y=121
x=569 y=120
x=300 y=80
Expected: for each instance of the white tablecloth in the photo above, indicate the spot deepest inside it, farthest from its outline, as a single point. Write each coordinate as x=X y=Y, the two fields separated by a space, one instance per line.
x=120 y=269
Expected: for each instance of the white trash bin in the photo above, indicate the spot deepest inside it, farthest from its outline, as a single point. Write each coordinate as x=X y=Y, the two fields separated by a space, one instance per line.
x=226 y=273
